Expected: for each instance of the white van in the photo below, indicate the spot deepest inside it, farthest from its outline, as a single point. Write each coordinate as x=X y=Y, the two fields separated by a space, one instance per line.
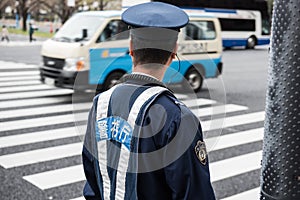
x=90 y=49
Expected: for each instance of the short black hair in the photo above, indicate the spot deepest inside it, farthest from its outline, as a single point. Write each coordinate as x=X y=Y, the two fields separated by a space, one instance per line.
x=149 y=51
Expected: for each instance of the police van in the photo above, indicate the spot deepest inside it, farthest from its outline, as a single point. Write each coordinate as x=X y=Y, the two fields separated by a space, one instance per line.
x=91 y=49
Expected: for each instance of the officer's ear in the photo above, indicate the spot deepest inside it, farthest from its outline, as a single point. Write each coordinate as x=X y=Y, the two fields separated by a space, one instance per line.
x=130 y=48
x=174 y=53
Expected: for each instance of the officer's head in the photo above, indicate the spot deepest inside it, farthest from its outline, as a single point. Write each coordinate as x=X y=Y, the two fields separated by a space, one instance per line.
x=154 y=29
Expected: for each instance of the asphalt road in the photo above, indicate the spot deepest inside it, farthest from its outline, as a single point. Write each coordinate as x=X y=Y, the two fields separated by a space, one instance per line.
x=35 y=119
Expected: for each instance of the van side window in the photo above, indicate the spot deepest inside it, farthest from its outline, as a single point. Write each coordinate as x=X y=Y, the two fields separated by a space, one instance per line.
x=114 y=30
x=200 y=30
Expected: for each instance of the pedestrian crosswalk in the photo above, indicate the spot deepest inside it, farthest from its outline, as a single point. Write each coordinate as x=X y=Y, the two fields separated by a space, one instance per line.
x=40 y=119
x=21 y=43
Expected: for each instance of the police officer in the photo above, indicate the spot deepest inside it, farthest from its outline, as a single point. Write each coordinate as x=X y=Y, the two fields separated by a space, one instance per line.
x=141 y=142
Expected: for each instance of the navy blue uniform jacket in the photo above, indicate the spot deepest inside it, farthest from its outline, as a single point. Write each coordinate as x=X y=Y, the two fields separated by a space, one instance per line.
x=178 y=172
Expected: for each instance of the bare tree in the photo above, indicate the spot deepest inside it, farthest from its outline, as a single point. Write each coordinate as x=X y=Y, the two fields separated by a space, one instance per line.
x=61 y=9
x=103 y=4
x=23 y=8
x=4 y=4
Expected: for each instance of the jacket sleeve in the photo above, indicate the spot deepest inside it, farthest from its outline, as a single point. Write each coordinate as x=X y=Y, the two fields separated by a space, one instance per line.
x=91 y=189
x=188 y=176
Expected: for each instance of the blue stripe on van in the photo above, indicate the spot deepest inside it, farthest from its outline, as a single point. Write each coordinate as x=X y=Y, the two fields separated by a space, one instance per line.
x=105 y=61
x=172 y=75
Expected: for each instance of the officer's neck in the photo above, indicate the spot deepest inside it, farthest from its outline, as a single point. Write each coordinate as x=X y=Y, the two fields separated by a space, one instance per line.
x=157 y=73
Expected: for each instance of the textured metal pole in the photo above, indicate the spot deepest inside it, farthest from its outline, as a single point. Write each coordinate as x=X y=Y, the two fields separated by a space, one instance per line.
x=280 y=176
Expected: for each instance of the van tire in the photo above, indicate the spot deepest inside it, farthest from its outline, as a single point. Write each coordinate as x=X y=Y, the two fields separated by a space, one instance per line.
x=112 y=80
x=194 y=79
x=251 y=42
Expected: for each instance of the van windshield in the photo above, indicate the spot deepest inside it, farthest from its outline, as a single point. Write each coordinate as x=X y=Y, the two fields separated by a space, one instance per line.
x=72 y=30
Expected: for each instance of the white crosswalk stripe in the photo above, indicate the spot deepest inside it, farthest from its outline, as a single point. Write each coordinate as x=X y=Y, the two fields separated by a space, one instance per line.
x=235 y=166
x=43 y=121
x=13 y=66
x=56 y=178
x=247 y=195
x=18 y=78
x=33 y=102
x=44 y=110
x=79 y=198
x=24 y=88
x=40 y=155
x=198 y=102
x=20 y=95
x=23 y=98
x=234 y=139
x=42 y=136
x=19 y=83
x=233 y=121
x=21 y=73
x=215 y=110
x=21 y=43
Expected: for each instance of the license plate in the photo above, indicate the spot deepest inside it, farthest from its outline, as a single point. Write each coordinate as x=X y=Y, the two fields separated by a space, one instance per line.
x=49 y=81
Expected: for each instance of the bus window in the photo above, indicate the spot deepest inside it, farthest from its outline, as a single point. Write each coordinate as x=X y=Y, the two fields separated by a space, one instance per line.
x=200 y=30
x=237 y=24
x=114 y=30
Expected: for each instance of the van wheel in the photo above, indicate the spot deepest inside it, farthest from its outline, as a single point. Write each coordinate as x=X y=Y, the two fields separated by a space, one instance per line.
x=194 y=79
x=251 y=42
x=112 y=80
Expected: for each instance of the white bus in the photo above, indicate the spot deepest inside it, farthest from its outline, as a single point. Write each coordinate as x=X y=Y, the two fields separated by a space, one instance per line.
x=239 y=27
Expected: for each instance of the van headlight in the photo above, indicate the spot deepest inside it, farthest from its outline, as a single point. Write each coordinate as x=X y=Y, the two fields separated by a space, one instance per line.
x=74 y=64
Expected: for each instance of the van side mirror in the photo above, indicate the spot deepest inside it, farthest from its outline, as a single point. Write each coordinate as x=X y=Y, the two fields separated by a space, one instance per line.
x=84 y=33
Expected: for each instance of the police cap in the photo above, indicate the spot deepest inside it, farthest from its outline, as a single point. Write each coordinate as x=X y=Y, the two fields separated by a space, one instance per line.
x=156 y=24
x=155 y=14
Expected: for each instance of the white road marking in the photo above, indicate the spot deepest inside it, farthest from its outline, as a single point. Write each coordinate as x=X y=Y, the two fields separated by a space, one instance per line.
x=234 y=139
x=40 y=155
x=19 y=78
x=14 y=66
x=43 y=121
x=233 y=121
x=33 y=102
x=20 y=83
x=19 y=73
x=25 y=88
x=78 y=198
x=235 y=166
x=252 y=194
x=19 y=95
x=215 y=110
x=181 y=96
x=21 y=43
x=42 y=136
x=56 y=178
x=44 y=110
x=198 y=102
